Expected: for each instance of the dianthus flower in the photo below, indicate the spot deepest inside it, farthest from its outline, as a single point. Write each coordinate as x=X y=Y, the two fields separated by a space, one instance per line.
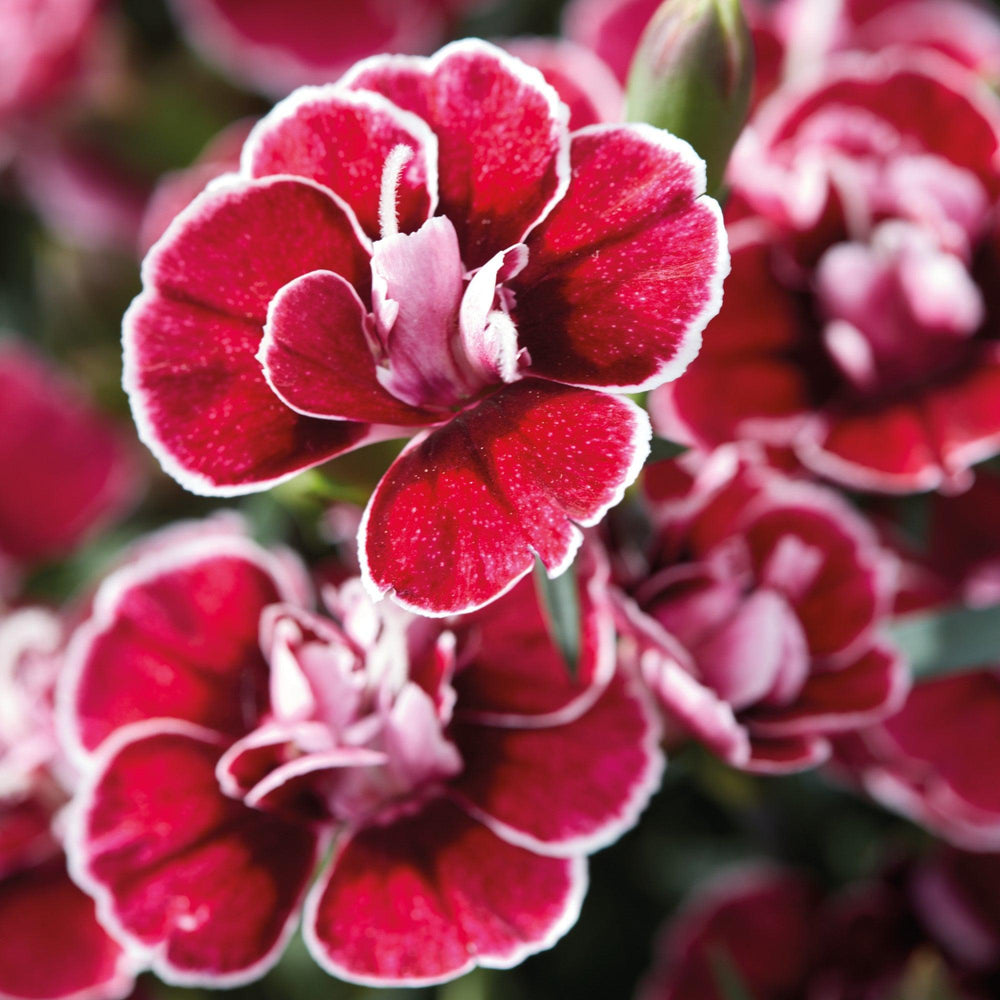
x=860 y=327
x=751 y=614
x=232 y=735
x=424 y=248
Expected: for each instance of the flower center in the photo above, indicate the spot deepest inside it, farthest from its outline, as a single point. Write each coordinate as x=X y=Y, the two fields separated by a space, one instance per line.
x=360 y=704
x=899 y=311
x=443 y=335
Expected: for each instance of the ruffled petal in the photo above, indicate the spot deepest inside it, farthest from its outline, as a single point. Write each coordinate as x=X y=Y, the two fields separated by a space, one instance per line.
x=428 y=898
x=342 y=139
x=514 y=675
x=502 y=137
x=627 y=270
x=584 y=82
x=176 y=635
x=205 y=888
x=569 y=788
x=867 y=690
x=317 y=357
x=199 y=397
x=460 y=515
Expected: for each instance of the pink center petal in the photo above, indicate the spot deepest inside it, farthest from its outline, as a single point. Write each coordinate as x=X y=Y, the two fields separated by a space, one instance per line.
x=417 y=286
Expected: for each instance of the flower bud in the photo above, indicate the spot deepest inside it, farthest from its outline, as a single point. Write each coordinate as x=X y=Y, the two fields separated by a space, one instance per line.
x=692 y=75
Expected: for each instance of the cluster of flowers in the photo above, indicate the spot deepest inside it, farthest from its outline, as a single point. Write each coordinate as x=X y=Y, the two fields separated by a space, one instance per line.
x=472 y=251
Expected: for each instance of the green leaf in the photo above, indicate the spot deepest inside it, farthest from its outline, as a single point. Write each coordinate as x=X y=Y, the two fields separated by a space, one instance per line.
x=560 y=600
x=727 y=977
x=946 y=641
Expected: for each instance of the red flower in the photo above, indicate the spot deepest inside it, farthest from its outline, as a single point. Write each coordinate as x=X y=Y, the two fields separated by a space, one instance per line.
x=275 y=46
x=557 y=265
x=74 y=472
x=930 y=761
x=860 y=327
x=867 y=941
x=79 y=962
x=232 y=734
x=42 y=44
x=751 y=616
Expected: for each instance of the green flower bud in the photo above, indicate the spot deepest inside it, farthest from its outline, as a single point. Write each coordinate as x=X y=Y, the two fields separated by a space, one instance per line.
x=692 y=75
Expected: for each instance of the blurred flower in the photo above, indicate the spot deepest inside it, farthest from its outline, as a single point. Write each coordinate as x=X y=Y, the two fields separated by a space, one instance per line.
x=42 y=47
x=80 y=960
x=959 y=560
x=275 y=46
x=84 y=196
x=583 y=82
x=967 y=31
x=380 y=318
x=71 y=471
x=869 y=941
x=752 y=615
x=231 y=733
x=860 y=327
x=932 y=761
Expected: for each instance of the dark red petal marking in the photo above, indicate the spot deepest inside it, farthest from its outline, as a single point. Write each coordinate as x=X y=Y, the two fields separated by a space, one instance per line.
x=210 y=887
x=626 y=271
x=564 y=788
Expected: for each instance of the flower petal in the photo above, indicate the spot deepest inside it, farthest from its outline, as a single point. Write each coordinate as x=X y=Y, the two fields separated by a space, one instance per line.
x=205 y=887
x=517 y=676
x=430 y=897
x=502 y=137
x=275 y=46
x=564 y=789
x=192 y=335
x=74 y=959
x=888 y=450
x=70 y=470
x=317 y=357
x=627 y=270
x=342 y=139
x=459 y=516
x=871 y=688
x=851 y=573
x=749 y=348
x=584 y=82
x=242 y=240
x=175 y=635
x=739 y=915
x=787 y=756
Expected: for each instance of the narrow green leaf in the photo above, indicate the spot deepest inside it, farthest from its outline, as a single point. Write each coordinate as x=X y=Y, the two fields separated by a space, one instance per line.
x=560 y=601
x=951 y=640
x=727 y=977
